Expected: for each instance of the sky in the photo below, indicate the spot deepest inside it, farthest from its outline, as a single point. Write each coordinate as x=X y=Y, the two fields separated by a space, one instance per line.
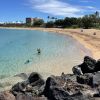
x=18 y=10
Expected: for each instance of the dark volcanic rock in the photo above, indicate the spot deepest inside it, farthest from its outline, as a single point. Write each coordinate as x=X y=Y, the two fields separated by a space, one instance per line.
x=37 y=83
x=84 y=84
x=35 y=79
x=85 y=79
x=96 y=79
x=34 y=84
x=66 y=77
x=53 y=91
x=88 y=65
x=59 y=89
x=77 y=70
x=19 y=87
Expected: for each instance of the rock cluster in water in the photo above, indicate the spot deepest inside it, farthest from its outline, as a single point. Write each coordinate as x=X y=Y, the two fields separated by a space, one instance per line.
x=83 y=84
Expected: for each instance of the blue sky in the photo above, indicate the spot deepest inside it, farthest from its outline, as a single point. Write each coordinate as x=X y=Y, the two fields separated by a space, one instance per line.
x=13 y=10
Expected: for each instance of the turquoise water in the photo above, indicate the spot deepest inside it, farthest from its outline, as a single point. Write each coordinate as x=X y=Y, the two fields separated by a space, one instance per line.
x=58 y=52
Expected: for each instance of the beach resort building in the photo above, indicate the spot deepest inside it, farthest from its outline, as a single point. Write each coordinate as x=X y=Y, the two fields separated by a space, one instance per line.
x=30 y=21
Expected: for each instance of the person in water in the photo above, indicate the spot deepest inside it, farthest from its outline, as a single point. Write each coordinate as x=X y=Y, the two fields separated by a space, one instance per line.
x=39 y=51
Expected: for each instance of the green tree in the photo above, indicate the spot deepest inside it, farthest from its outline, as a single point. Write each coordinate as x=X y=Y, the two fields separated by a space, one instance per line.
x=38 y=22
x=97 y=14
x=87 y=22
x=48 y=18
x=67 y=22
x=50 y=24
x=59 y=23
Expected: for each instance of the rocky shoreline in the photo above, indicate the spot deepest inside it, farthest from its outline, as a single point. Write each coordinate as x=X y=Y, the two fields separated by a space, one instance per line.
x=83 y=84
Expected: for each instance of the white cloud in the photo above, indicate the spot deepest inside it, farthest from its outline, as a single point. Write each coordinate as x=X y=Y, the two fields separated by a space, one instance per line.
x=57 y=7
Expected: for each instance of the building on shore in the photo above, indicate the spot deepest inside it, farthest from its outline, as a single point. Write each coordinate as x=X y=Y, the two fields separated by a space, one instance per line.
x=30 y=21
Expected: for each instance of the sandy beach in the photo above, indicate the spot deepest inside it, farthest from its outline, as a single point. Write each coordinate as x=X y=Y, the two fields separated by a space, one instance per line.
x=86 y=38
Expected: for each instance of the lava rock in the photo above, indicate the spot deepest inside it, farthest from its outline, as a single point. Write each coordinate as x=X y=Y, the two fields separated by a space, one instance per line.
x=53 y=91
x=35 y=79
x=19 y=87
x=85 y=79
x=66 y=77
x=96 y=79
x=88 y=66
x=77 y=70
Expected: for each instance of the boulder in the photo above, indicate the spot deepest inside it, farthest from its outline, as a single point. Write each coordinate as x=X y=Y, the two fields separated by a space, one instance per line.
x=35 y=79
x=96 y=79
x=85 y=79
x=66 y=77
x=19 y=87
x=88 y=66
x=7 y=96
x=53 y=91
x=77 y=70
x=34 y=84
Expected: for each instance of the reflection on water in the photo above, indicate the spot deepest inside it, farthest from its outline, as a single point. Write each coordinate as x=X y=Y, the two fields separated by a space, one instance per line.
x=18 y=52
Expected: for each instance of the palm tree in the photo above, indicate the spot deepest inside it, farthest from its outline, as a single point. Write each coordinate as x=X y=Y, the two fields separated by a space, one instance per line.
x=48 y=18
x=97 y=14
x=97 y=18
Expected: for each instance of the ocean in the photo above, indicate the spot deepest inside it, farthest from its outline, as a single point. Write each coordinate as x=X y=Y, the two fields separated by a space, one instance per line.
x=18 y=52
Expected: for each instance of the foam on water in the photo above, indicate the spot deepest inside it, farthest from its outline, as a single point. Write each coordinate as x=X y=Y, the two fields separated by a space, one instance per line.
x=59 y=53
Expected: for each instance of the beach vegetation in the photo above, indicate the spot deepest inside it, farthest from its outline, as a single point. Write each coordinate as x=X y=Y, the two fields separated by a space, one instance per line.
x=38 y=23
x=49 y=24
x=87 y=21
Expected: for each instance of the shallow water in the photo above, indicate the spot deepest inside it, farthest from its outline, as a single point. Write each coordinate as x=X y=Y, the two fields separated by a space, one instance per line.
x=59 y=53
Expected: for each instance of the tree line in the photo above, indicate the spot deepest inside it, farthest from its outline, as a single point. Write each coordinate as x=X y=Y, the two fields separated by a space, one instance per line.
x=87 y=21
